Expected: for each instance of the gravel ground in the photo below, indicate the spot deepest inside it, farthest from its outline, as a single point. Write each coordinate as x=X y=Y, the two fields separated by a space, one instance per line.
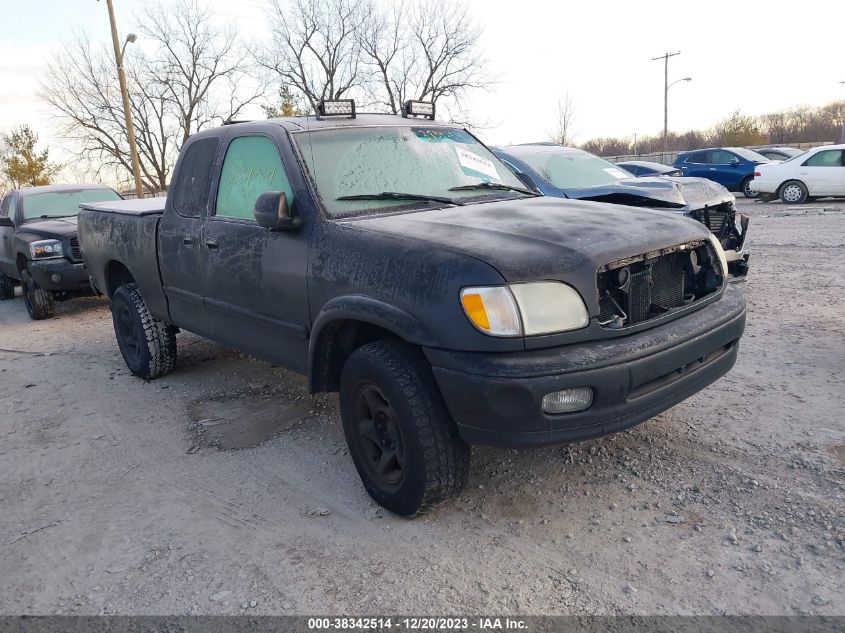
x=227 y=488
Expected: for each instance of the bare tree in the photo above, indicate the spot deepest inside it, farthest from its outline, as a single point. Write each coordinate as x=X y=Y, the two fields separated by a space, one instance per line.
x=195 y=76
x=201 y=69
x=315 y=47
x=564 y=133
x=428 y=51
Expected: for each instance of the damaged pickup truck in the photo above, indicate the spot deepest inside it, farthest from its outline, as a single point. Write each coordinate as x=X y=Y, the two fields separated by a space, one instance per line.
x=565 y=172
x=396 y=260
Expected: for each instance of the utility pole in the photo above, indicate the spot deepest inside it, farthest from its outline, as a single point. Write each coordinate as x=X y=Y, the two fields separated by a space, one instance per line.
x=130 y=129
x=842 y=137
x=665 y=57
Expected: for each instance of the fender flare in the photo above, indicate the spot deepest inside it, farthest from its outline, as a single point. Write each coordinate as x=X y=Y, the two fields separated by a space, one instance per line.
x=366 y=310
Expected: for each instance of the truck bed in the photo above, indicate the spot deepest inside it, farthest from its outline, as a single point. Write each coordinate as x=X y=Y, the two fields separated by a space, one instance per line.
x=145 y=206
x=120 y=239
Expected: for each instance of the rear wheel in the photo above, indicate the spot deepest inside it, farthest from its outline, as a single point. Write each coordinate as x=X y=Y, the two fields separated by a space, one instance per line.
x=404 y=443
x=747 y=190
x=793 y=192
x=148 y=345
x=7 y=287
x=39 y=303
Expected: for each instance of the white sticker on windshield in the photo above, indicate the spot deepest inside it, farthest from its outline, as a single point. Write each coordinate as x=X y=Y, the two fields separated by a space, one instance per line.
x=616 y=173
x=476 y=163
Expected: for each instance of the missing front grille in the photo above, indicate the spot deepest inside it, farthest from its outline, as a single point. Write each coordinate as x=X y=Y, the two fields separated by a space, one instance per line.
x=640 y=288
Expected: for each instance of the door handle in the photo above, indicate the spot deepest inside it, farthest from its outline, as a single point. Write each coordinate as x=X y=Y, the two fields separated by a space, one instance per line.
x=211 y=243
x=712 y=169
x=188 y=240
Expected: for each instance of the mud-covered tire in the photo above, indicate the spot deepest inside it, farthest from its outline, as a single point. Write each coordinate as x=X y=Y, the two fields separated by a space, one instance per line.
x=40 y=303
x=7 y=287
x=793 y=192
x=148 y=345
x=435 y=460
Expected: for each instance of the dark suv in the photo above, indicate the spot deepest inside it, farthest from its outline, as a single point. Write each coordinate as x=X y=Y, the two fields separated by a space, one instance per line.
x=39 y=247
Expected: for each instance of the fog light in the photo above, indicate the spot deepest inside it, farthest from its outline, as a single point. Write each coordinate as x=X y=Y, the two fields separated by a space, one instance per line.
x=568 y=400
x=56 y=277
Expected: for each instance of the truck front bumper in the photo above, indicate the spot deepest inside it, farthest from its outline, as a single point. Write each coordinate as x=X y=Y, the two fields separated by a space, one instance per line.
x=496 y=399
x=60 y=275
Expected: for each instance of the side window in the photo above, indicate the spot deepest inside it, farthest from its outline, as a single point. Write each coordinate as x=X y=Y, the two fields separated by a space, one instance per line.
x=827 y=158
x=699 y=157
x=190 y=192
x=4 y=206
x=252 y=166
x=721 y=157
x=13 y=207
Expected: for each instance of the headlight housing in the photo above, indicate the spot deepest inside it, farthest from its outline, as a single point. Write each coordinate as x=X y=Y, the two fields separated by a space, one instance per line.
x=46 y=249
x=720 y=252
x=525 y=309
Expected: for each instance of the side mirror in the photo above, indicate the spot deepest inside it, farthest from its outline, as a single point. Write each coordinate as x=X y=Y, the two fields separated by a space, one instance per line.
x=272 y=212
x=734 y=162
x=6 y=222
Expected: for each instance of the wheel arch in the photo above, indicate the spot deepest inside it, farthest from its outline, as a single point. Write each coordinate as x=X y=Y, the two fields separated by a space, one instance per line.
x=345 y=324
x=115 y=275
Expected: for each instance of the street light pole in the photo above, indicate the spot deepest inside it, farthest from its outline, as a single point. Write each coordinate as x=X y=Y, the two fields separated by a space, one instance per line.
x=130 y=129
x=842 y=137
x=665 y=57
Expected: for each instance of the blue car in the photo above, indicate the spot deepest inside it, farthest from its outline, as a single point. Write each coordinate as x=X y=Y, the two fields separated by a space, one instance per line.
x=732 y=167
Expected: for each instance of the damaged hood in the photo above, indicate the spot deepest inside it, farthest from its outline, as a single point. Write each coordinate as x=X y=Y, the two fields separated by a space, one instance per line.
x=675 y=193
x=541 y=238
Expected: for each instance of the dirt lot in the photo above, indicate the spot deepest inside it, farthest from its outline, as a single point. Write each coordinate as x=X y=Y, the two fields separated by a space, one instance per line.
x=226 y=488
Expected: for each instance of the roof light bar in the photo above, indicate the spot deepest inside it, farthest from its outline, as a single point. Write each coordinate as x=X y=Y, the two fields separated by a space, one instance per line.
x=336 y=107
x=423 y=109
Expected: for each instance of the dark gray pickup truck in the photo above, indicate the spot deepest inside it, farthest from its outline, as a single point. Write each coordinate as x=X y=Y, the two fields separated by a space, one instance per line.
x=39 y=247
x=398 y=261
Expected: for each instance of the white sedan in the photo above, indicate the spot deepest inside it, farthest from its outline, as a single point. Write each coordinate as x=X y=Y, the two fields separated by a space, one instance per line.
x=816 y=173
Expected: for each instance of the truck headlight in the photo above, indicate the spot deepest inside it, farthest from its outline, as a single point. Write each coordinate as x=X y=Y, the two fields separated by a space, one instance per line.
x=525 y=309
x=45 y=249
x=720 y=252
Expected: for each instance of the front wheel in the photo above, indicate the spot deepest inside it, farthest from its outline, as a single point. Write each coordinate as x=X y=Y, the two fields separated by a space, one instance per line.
x=148 y=345
x=794 y=192
x=747 y=190
x=404 y=443
x=40 y=303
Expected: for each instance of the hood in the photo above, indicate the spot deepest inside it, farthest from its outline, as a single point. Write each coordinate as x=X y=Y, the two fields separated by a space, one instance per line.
x=676 y=193
x=542 y=238
x=58 y=227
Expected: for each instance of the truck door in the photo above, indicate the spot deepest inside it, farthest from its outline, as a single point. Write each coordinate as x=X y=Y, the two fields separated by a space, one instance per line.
x=256 y=288
x=180 y=236
x=7 y=237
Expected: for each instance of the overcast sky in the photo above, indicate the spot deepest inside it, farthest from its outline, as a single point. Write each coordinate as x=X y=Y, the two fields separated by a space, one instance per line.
x=752 y=56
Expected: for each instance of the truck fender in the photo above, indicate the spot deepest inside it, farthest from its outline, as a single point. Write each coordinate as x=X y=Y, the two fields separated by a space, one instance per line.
x=361 y=309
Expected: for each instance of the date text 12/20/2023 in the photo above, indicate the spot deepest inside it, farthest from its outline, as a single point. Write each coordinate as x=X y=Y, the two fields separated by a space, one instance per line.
x=417 y=623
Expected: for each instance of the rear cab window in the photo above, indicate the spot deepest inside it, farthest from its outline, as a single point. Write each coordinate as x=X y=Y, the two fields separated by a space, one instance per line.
x=190 y=191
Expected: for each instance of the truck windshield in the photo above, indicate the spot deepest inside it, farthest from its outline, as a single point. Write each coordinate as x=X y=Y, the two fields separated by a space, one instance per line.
x=351 y=167
x=571 y=168
x=61 y=204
